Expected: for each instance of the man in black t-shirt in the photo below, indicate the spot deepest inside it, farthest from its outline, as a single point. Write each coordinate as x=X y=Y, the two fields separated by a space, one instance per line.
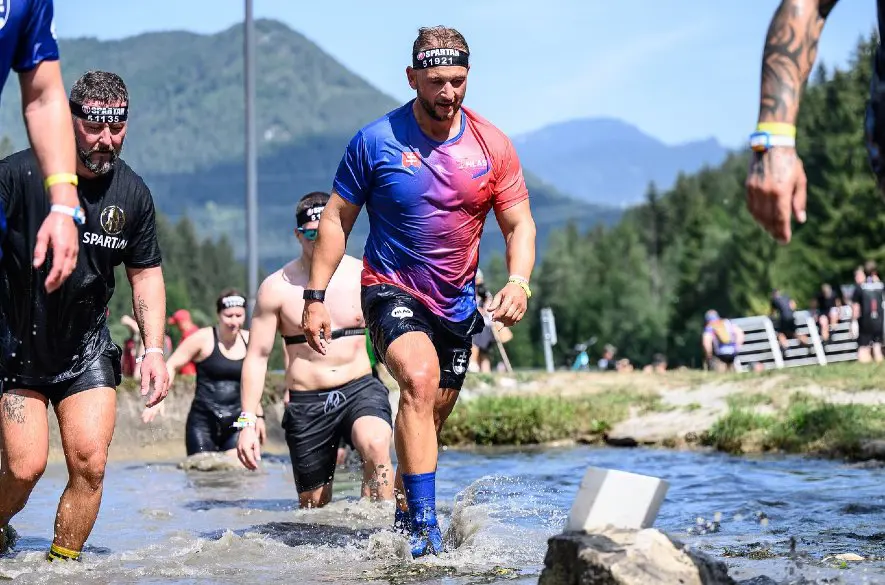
x=56 y=347
x=867 y=301
x=783 y=308
x=827 y=311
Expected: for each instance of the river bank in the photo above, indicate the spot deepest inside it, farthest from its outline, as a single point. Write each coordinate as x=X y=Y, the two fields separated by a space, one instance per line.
x=833 y=411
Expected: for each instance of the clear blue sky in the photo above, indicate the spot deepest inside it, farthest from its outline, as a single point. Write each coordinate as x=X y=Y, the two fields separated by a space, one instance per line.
x=678 y=70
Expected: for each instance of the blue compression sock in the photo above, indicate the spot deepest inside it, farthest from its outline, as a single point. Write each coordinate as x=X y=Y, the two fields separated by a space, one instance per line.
x=420 y=489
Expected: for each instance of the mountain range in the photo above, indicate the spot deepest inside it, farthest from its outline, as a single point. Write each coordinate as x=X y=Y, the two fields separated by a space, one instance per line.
x=186 y=135
x=609 y=162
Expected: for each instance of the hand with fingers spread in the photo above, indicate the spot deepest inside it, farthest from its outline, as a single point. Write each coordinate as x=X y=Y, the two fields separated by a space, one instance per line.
x=510 y=304
x=59 y=233
x=317 y=325
x=777 y=190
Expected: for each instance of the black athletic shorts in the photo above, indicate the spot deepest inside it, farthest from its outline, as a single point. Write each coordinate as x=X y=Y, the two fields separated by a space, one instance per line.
x=869 y=333
x=211 y=429
x=787 y=327
x=390 y=312
x=316 y=421
x=105 y=371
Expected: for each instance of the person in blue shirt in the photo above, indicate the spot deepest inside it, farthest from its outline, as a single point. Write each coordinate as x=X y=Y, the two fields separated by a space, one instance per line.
x=28 y=46
x=722 y=341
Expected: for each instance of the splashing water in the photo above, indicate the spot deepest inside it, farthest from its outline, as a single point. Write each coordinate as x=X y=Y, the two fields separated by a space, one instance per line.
x=205 y=521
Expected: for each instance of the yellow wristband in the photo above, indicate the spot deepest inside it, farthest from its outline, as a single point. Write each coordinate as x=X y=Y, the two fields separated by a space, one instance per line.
x=60 y=178
x=521 y=283
x=777 y=128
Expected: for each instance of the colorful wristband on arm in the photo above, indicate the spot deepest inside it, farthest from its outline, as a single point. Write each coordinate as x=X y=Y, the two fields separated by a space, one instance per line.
x=777 y=129
x=772 y=134
x=56 y=178
x=521 y=282
x=75 y=212
x=247 y=419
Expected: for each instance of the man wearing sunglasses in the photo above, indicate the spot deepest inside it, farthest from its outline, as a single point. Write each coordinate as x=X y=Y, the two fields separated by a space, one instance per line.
x=331 y=396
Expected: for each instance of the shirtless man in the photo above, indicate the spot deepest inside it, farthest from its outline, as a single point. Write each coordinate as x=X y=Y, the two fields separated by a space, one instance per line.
x=330 y=396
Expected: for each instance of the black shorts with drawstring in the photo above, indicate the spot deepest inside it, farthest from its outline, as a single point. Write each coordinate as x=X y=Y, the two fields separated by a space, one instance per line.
x=317 y=421
x=391 y=312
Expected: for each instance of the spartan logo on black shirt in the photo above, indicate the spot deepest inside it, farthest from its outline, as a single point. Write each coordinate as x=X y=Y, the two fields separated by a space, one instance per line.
x=113 y=220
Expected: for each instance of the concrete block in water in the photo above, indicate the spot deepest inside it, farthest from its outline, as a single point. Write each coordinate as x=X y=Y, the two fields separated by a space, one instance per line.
x=608 y=497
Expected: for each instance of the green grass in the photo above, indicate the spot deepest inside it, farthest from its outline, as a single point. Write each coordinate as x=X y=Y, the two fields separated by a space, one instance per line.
x=850 y=376
x=806 y=425
x=524 y=420
x=748 y=400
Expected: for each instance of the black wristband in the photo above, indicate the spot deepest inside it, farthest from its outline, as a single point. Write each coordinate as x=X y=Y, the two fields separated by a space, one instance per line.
x=314 y=295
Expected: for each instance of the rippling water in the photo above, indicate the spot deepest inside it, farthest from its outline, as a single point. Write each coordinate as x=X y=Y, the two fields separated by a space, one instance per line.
x=159 y=523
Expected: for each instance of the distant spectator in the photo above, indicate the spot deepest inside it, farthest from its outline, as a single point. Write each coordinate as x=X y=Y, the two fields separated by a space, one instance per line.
x=859 y=275
x=133 y=347
x=484 y=341
x=182 y=319
x=827 y=311
x=867 y=301
x=607 y=361
x=783 y=313
x=658 y=364
x=722 y=341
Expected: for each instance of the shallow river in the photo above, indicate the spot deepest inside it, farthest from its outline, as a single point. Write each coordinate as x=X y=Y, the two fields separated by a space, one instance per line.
x=160 y=524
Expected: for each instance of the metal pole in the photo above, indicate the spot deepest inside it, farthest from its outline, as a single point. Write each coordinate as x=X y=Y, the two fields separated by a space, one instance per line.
x=548 y=354
x=251 y=160
x=548 y=336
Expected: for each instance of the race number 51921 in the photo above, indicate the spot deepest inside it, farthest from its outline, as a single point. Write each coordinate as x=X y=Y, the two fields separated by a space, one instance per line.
x=438 y=61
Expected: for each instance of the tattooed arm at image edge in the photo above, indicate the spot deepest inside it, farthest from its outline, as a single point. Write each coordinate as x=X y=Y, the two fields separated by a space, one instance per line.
x=789 y=55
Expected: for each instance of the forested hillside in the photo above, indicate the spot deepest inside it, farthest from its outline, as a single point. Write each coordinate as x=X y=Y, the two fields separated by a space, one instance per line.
x=645 y=284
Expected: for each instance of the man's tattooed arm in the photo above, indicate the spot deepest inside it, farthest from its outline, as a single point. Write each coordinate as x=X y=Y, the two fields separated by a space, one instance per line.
x=149 y=304
x=789 y=55
x=141 y=311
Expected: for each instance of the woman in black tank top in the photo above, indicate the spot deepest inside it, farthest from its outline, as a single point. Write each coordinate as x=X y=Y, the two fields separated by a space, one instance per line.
x=218 y=353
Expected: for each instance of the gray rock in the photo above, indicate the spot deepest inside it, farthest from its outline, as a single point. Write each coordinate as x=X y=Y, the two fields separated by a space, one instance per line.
x=627 y=557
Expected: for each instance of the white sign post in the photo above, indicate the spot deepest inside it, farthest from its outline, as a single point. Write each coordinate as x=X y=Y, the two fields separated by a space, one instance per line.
x=548 y=330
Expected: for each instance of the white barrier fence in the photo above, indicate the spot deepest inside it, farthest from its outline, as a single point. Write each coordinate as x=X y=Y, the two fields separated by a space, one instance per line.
x=761 y=345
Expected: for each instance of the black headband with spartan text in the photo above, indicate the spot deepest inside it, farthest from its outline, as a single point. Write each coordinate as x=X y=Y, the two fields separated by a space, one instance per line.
x=310 y=214
x=100 y=114
x=439 y=58
x=230 y=302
